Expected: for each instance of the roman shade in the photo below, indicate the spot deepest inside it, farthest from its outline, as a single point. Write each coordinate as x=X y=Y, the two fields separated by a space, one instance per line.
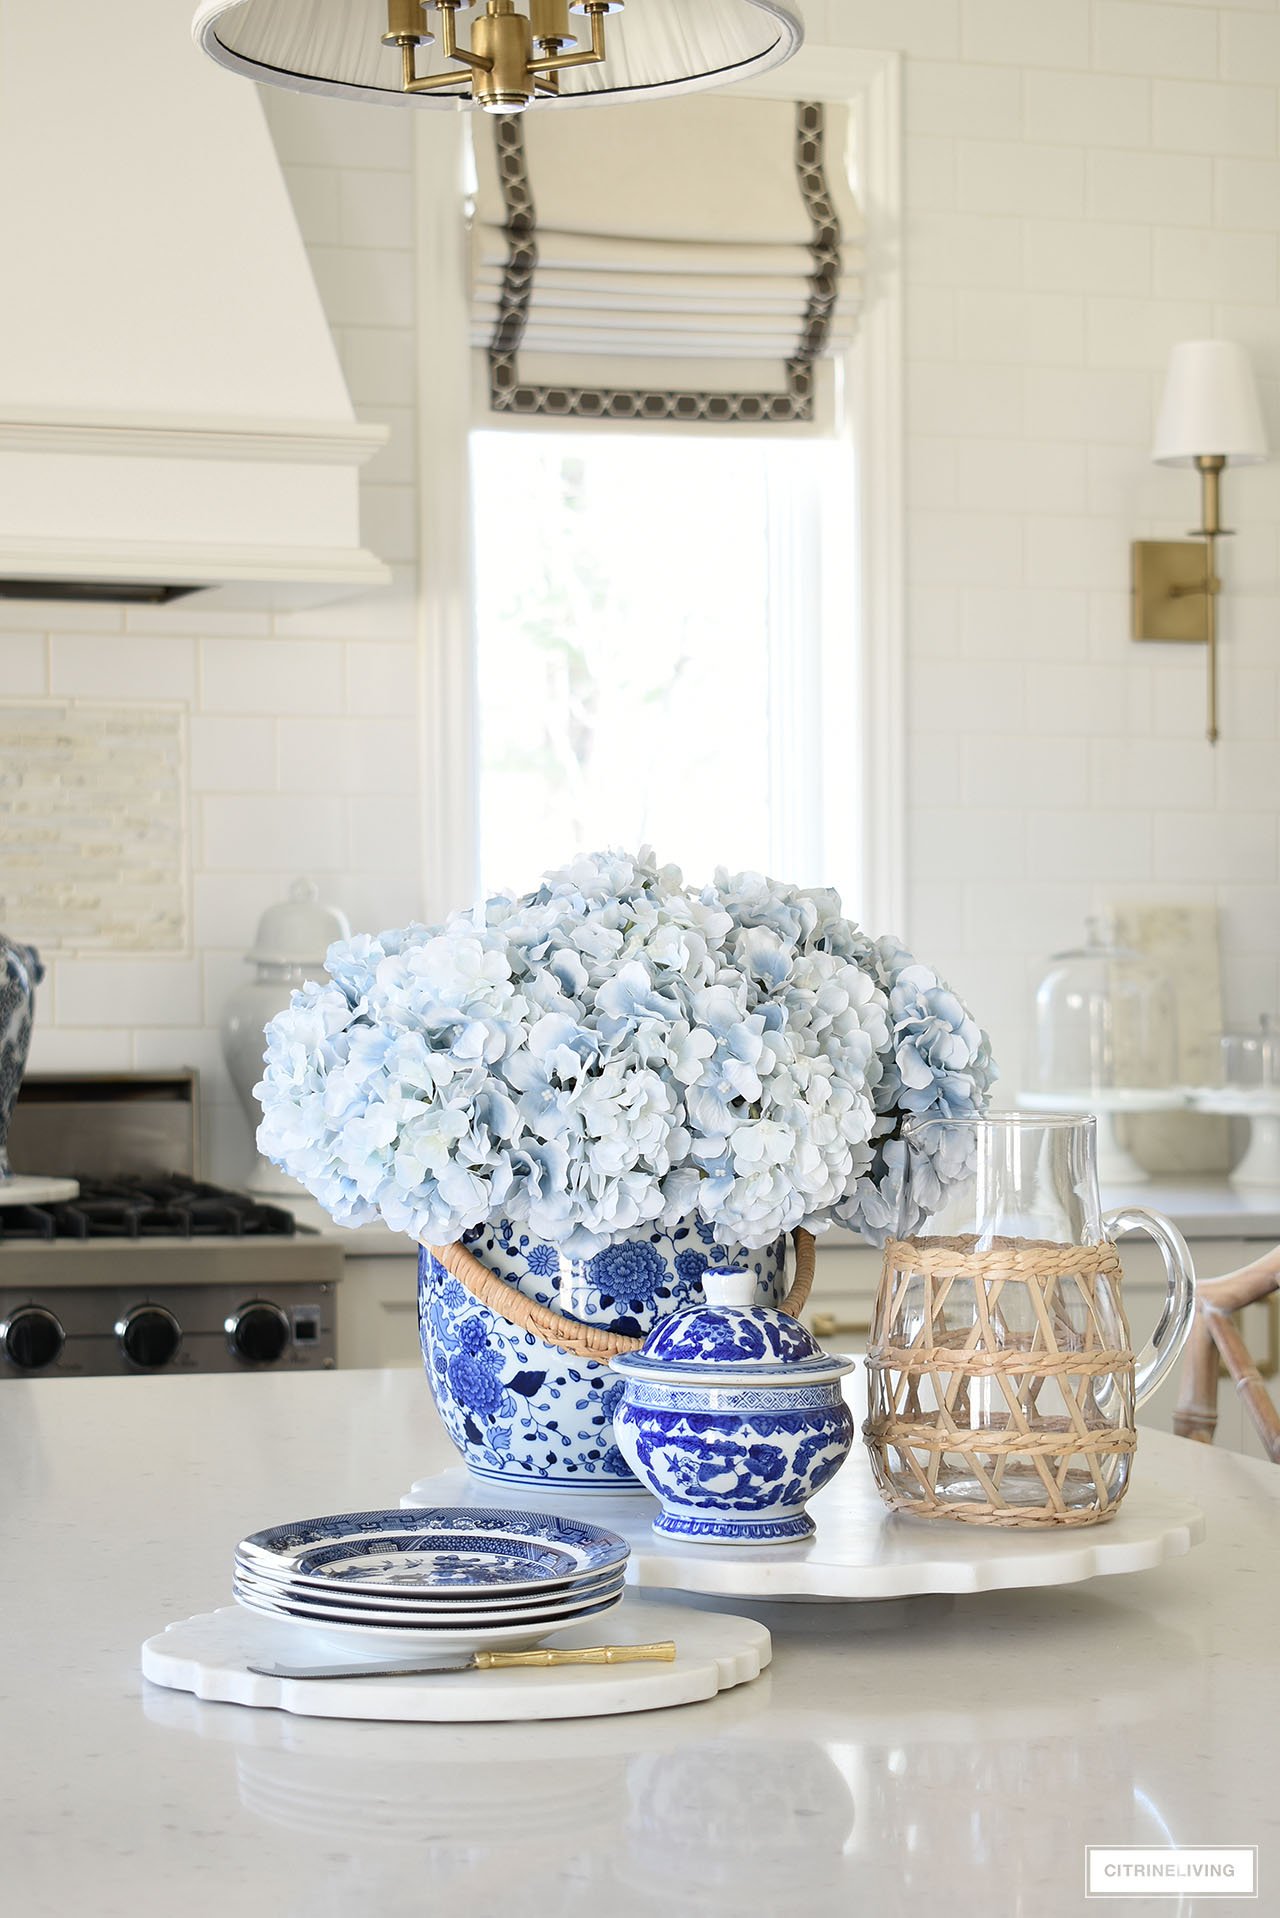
x=692 y=260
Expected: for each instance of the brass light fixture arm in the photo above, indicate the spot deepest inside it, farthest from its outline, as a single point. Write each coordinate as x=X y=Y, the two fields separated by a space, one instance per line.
x=412 y=82
x=1209 y=466
x=589 y=57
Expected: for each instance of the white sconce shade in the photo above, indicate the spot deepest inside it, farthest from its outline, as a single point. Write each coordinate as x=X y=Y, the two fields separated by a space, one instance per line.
x=1210 y=406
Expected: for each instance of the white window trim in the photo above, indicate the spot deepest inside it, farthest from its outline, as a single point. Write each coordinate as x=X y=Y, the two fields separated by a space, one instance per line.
x=872 y=83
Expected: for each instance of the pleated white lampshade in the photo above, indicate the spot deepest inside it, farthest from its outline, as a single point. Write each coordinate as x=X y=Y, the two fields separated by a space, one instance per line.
x=654 y=47
x=1210 y=406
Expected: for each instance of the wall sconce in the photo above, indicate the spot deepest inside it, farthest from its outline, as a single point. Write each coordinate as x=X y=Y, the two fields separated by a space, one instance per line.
x=1209 y=415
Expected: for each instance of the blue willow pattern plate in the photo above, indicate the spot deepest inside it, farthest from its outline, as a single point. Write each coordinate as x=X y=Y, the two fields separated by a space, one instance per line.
x=449 y=1559
x=454 y=1550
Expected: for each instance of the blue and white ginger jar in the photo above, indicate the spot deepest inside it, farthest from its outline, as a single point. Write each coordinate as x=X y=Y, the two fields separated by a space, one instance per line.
x=522 y=1411
x=20 y=974
x=733 y=1416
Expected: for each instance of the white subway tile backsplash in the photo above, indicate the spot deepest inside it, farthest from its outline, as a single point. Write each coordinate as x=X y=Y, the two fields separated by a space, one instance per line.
x=1092 y=404
x=1196 y=116
x=1000 y=771
x=1013 y=33
x=987 y=843
x=1087 y=256
x=121 y=666
x=380 y=363
x=1039 y=181
x=365 y=755
x=24 y=665
x=1189 y=845
x=138 y=991
x=1027 y=329
x=267 y=832
x=314 y=193
x=971 y=697
x=947 y=97
x=987 y=401
x=381 y=677
x=926 y=28
x=1087 y=109
x=966 y=548
x=1250 y=47
x=76 y=1048
x=232 y=755
x=1083 y=699
x=1199 y=264
x=930 y=167
x=1159 y=774
x=1129 y=37
x=1078 y=549
x=1028 y=477
x=272 y=676
x=376 y=208
x=1247 y=194
x=1170 y=188
x=364 y=285
x=1092 y=846
x=1139 y=333
x=966 y=249
x=1023 y=622
x=1248 y=777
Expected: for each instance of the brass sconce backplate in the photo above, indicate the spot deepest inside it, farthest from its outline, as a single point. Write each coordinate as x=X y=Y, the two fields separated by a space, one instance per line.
x=1169 y=598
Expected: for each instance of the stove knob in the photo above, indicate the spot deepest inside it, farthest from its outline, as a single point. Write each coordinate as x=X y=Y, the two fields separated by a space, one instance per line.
x=259 y=1333
x=31 y=1338
x=149 y=1336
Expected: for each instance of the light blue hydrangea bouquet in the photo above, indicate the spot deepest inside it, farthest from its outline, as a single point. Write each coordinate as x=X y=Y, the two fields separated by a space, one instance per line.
x=618 y=1051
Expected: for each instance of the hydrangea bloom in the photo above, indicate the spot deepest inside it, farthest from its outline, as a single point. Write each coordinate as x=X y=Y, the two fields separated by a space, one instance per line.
x=618 y=1050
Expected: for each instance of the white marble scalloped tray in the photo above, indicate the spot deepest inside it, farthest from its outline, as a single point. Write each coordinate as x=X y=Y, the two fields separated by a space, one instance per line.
x=863 y=1551
x=209 y=1655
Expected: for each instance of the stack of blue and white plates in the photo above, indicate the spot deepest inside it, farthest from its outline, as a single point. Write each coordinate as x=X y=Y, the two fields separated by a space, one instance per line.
x=449 y=1578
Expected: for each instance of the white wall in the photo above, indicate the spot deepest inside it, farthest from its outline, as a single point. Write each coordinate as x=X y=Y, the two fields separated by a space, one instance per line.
x=303 y=727
x=1086 y=183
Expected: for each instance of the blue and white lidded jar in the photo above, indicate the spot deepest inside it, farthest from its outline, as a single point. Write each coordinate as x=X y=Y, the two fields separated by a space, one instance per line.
x=733 y=1417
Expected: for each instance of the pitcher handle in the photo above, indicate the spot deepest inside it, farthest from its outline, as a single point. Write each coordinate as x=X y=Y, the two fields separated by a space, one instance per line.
x=1157 y=1356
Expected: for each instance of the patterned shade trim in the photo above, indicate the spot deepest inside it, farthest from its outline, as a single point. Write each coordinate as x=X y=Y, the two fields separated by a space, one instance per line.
x=791 y=404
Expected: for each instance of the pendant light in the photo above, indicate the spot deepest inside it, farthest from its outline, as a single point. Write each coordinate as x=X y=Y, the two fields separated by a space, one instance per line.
x=514 y=53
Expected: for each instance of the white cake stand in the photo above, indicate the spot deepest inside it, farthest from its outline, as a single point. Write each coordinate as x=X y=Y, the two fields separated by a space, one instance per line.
x=1260 y=1165
x=1116 y=1164
x=862 y=1550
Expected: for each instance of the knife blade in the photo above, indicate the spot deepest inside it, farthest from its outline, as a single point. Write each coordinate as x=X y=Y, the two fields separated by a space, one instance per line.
x=663 y=1652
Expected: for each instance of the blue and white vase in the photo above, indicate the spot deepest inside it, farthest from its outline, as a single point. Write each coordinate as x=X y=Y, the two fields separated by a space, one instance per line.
x=733 y=1416
x=20 y=974
x=521 y=1411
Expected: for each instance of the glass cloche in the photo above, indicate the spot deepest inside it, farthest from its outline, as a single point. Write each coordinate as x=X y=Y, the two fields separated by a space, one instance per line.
x=1106 y=1040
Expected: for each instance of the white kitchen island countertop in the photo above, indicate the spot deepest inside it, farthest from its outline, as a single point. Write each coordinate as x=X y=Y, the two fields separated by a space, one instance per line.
x=917 y=1757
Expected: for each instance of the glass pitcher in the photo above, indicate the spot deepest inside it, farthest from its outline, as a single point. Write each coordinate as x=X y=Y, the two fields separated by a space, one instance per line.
x=1001 y=1378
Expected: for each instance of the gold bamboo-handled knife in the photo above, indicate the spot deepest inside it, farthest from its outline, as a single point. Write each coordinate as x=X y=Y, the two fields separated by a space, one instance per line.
x=662 y=1653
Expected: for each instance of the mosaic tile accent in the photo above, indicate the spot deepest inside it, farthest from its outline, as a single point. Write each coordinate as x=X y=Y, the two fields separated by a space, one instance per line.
x=93 y=850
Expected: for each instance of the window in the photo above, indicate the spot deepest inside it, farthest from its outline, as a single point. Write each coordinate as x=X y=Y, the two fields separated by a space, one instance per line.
x=666 y=631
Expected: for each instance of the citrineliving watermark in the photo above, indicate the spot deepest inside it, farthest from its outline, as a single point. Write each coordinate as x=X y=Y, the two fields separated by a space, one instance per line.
x=1171 y=1871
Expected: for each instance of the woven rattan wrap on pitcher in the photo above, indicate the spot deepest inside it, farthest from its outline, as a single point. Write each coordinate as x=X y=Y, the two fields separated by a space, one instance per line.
x=955 y=1427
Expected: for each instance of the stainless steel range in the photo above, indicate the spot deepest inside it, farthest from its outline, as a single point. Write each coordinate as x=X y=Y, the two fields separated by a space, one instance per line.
x=149 y=1270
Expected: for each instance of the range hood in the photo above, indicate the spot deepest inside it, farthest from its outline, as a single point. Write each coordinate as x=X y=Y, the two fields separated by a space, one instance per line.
x=173 y=416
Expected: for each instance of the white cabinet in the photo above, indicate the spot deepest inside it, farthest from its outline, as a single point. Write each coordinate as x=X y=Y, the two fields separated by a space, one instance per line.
x=844 y=1290
x=378 y=1310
